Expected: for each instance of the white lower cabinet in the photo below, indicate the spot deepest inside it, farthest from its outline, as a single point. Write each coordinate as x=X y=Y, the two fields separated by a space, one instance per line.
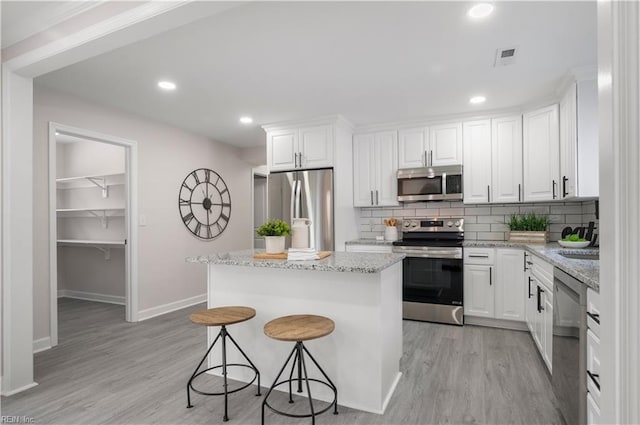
x=593 y=411
x=494 y=283
x=539 y=307
x=593 y=357
x=478 y=291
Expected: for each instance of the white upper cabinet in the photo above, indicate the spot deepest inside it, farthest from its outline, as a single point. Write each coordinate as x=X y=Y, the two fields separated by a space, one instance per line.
x=506 y=159
x=477 y=161
x=315 y=146
x=579 y=140
x=300 y=148
x=413 y=147
x=282 y=149
x=493 y=160
x=430 y=146
x=541 y=154
x=446 y=144
x=375 y=167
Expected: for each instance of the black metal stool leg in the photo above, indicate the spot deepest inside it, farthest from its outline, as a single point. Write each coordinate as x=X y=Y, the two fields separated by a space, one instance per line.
x=198 y=368
x=248 y=359
x=275 y=381
x=335 y=389
x=299 y=368
x=223 y=331
x=293 y=368
x=306 y=380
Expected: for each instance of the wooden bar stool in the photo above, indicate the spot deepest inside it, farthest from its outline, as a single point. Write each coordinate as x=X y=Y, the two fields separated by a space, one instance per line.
x=299 y=328
x=222 y=316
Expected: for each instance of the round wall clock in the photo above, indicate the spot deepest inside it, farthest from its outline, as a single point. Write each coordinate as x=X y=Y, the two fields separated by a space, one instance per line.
x=204 y=203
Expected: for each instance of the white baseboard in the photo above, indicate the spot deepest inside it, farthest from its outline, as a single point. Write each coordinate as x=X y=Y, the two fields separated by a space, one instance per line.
x=41 y=344
x=19 y=390
x=91 y=296
x=496 y=323
x=168 y=308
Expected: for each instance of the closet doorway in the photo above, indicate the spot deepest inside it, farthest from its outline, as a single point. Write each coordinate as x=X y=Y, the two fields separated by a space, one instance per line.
x=93 y=217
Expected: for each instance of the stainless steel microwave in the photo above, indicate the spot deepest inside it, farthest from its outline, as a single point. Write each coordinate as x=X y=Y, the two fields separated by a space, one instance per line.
x=430 y=183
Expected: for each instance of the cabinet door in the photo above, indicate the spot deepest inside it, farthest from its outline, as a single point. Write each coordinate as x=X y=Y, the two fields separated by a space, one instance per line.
x=363 y=170
x=386 y=167
x=509 y=287
x=413 y=147
x=506 y=151
x=538 y=319
x=445 y=144
x=547 y=314
x=593 y=411
x=568 y=143
x=282 y=145
x=530 y=301
x=477 y=161
x=478 y=291
x=541 y=154
x=316 y=146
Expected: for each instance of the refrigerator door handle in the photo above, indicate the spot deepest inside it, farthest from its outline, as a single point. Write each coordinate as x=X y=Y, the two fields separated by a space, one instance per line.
x=297 y=207
x=293 y=196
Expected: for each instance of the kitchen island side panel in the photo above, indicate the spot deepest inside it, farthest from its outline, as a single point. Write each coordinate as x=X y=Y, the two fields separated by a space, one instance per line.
x=361 y=356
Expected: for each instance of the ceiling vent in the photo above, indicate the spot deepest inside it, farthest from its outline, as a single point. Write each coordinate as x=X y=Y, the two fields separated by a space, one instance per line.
x=506 y=56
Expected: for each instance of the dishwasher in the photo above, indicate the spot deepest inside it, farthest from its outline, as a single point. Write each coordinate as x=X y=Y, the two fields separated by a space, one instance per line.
x=570 y=347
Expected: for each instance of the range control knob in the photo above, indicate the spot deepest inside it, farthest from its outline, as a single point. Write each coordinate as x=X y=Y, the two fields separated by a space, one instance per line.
x=450 y=223
x=406 y=224
x=457 y=224
x=414 y=224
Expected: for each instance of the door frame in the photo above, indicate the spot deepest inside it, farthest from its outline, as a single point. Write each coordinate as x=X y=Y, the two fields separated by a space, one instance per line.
x=261 y=171
x=131 y=219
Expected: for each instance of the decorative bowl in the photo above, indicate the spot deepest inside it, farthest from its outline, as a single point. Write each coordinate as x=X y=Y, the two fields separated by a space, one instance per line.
x=569 y=244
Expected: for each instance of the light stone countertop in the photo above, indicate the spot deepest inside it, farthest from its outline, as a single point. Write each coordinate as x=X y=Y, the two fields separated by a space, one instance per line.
x=369 y=242
x=349 y=262
x=586 y=271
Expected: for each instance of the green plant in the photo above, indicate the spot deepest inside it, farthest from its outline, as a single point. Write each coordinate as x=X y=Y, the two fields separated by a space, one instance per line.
x=274 y=228
x=574 y=238
x=529 y=222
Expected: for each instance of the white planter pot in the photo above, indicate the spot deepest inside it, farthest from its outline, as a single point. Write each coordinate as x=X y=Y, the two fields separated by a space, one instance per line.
x=274 y=244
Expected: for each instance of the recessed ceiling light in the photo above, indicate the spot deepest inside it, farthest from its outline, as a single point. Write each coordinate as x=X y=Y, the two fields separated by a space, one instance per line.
x=480 y=10
x=246 y=120
x=166 y=85
x=477 y=99
x=57 y=134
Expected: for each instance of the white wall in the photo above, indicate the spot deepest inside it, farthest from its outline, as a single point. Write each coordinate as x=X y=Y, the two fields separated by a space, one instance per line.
x=166 y=156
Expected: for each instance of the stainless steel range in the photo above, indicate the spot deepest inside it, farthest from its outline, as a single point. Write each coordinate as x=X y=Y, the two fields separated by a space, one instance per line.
x=432 y=282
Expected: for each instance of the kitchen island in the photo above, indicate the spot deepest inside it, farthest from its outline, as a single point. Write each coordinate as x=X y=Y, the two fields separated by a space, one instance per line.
x=360 y=292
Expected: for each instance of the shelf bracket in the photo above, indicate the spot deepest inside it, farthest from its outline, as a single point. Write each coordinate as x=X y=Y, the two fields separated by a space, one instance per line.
x=103 y=218
x=105 y=251
x=102 y=184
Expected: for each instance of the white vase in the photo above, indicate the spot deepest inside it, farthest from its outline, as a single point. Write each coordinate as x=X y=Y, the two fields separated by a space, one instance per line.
x=274 y=244
x=390 y=233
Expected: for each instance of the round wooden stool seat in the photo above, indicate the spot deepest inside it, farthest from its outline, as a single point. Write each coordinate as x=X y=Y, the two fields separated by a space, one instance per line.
x=299 y=327
x=222 y=316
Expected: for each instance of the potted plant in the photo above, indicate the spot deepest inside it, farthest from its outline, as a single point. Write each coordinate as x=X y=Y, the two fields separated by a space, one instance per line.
x=274 y=232
x=530 y=228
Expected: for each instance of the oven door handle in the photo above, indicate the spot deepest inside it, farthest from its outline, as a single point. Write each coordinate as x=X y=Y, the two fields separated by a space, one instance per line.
x=415 y=254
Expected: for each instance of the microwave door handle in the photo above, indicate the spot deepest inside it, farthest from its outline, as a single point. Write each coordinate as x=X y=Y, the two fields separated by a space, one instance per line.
x=444 y=183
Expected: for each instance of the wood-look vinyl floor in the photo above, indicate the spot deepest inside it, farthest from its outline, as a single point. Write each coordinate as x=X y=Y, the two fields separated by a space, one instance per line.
x=107 y=371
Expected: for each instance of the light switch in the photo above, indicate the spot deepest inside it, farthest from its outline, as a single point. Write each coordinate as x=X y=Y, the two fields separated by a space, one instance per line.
x=142 y=220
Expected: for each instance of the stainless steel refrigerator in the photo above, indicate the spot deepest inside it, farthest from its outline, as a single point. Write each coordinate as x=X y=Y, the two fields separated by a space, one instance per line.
x=307 y=194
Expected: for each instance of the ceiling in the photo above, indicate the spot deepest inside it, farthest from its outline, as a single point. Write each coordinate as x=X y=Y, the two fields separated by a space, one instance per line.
x=371 y=62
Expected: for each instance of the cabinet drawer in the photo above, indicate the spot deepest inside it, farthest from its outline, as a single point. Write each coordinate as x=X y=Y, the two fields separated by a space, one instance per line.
x=369 y=248
x=482 y=256
x=593 y=365
x=542 y=272
x=593 y=311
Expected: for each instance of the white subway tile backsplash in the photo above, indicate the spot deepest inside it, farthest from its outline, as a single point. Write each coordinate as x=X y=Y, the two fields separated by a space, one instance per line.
x=505 y=210
x=482 y=222
x=451 y=212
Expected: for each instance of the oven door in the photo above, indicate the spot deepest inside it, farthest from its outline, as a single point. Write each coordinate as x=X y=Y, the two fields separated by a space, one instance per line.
x=432 y=280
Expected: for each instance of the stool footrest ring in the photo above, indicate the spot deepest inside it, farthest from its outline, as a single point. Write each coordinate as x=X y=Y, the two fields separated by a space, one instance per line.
x=255 y=376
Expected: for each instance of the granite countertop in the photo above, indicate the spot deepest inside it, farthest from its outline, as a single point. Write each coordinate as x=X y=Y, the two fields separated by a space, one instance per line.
x=586 y=271
x=349 y=262
x=369 y=242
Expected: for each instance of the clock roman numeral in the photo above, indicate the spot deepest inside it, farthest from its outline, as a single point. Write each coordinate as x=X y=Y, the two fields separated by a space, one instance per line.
x=188 y=218
x=224 y=191
x=207 y=175
x=184 y=202
x=197 y=229
x=186 y=186
x=209 y=235
x=195 y=176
